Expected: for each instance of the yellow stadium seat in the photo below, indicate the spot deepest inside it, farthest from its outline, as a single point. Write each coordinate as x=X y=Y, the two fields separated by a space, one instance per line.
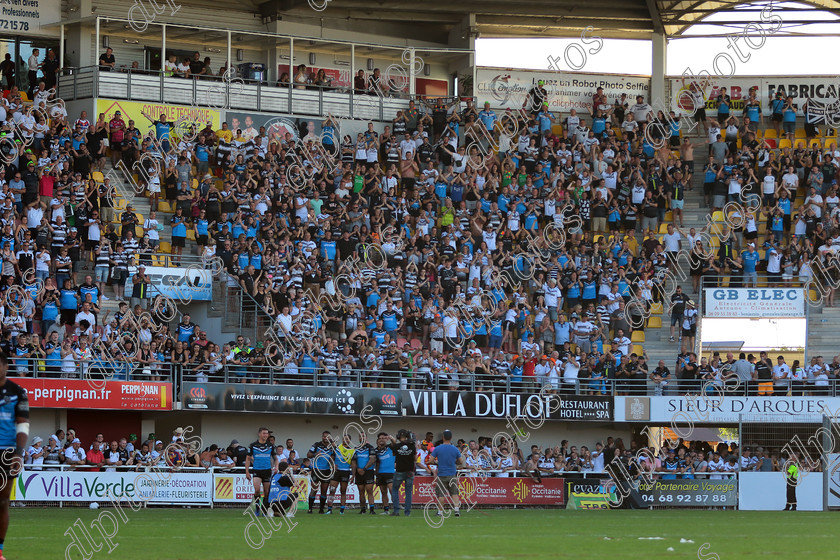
x=163 y=206
x=770 y=133
x=800 y=133
x=25 y=97
x=654 y=322
x=663 y=228
x=784 y=143
x=557 y=129
x=717 y=216
x=637 y=336
x=815 y=142
x=637 y=349
x=98 y=176
x=758 y=133
x=800 y=143
x=165 y=247
x=656 y=308
x=191 y=234
x=194 y=183
x=738 y=142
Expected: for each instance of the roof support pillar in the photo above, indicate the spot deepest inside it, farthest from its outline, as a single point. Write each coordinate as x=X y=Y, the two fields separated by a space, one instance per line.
x=659 y=46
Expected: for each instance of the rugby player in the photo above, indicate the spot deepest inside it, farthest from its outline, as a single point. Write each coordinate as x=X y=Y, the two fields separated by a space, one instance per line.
x=262 y=457
x=344 y=457
x=282 y=495
x=364 y=461
x=322 y=455
x=385 y=463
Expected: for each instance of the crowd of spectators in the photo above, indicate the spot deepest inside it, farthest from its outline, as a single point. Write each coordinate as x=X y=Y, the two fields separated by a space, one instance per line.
x=460 y=220
x=686 y=460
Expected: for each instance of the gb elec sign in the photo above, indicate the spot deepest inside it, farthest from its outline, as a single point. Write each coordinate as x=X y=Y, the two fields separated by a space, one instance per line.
x=754 y=302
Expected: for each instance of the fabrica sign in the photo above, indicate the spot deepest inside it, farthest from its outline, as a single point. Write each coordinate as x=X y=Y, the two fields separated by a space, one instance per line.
x=754 y=302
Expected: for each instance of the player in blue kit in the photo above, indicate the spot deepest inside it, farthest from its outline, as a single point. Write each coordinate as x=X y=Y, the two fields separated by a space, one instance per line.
x=263 y=459
x=14 y=433
x=344 y=457
x=282 y=495
x=364 y=461
x=385 y=466
x=322 y=455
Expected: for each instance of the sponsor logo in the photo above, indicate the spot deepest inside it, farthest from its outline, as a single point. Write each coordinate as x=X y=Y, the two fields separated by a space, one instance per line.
x=639 y=409
x=389 y=399
x=345 y=400
x=520 y=490
x=224 y=488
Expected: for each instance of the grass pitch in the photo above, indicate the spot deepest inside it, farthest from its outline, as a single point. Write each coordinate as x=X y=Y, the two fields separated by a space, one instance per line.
x=204 y=534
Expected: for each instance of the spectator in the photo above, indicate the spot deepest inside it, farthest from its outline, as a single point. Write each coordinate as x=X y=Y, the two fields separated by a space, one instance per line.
x=106 y=60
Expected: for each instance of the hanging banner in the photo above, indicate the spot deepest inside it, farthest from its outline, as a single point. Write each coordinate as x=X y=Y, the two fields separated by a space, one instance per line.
x=754 y=302
x=76 y=486
x=816 y=88
x=179 y=284
x=247 y=397
x=467 y=404
x=590 y=493
x=495 y=491
x=508 y=88
x=28 y=17
x=727 y=408
x=690 y=493
x=235 y=488
x=79 y=393
x=133 y=111
x=825 y=113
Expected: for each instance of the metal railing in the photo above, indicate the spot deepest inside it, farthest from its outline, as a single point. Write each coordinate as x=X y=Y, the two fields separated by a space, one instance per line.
x=217 y=92
x=115 y=369
x=419 y=380
x=316 y=376
x=162 y=466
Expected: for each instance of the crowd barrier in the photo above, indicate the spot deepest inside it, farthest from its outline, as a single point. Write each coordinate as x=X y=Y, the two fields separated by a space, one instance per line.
x=153 y=486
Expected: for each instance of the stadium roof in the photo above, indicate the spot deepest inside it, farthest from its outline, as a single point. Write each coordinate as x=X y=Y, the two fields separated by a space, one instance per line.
x=434 y=19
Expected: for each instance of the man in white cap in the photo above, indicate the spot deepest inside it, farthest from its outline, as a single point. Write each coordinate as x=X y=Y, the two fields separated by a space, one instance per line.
x=75 y=455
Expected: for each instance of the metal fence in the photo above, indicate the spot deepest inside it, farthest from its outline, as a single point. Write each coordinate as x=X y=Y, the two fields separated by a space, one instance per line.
x=422 y=379
x=217 y=92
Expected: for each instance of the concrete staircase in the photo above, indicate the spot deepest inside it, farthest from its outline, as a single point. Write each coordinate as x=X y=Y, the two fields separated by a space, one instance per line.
x=142 y=207
x=657 y=343
x=823 y=332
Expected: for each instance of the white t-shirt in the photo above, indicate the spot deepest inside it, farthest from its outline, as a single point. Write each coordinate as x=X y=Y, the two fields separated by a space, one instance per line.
x=769 y=184
x=672 y=241
x=570 y=372
x=815 y=201
x=153 y=232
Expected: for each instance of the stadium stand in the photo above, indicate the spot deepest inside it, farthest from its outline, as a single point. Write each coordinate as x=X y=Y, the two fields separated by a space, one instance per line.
x=584 y=317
